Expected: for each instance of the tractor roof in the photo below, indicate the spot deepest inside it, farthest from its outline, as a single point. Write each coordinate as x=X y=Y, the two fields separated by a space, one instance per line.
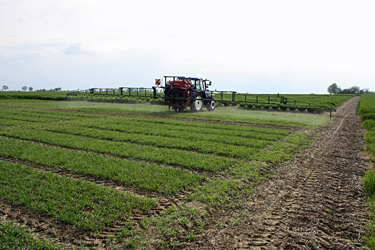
x=183 y=77
x=193 y=78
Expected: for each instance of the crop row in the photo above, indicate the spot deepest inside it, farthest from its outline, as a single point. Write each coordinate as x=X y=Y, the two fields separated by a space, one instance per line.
x=133 y=173
x=128 y=150
x=151 y=123
x=134 y=130
x=10 y=122
x=195 y=124
x=40 y=116
x=45 y=116
x=78 y=202
x=192 y=133
x=157 y=111
x=214 y=144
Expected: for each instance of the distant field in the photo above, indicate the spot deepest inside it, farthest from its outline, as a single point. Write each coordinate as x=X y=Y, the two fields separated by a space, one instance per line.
x=122 y=175
x=330 y=101
x=33 y=95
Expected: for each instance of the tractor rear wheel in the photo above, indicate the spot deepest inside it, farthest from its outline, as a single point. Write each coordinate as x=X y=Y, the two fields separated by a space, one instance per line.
x=179 y=109
x=211 y=105
x=197 y=104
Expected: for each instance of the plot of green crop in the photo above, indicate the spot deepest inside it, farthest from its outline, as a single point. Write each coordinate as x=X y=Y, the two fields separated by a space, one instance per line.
x=242 y=147
x=243 y=116
x=138 y=174
x=86 y=106
x=78 y=202
x=169 y=156
x=41 y=115
x=256 y=117
x=13 y=237
x=154 y=125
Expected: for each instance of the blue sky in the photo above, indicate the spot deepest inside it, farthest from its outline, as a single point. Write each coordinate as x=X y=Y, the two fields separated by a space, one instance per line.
x=250 y=46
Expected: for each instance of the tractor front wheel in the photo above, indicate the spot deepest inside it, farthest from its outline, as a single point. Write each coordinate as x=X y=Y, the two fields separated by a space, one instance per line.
x=197 y=104
x=211 y=105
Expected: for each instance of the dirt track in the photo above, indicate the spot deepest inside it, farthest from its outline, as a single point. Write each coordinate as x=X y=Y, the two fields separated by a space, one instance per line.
x=316 y=202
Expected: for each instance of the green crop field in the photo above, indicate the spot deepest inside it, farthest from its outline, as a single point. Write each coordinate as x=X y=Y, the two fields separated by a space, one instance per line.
x=295 y=101
x=128 y=174
x=367 y=113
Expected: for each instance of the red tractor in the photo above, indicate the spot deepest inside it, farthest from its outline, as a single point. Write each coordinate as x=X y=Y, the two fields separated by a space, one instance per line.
x=181 y=92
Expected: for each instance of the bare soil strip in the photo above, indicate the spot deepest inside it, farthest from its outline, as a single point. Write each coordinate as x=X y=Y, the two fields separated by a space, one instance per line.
x=315 y=202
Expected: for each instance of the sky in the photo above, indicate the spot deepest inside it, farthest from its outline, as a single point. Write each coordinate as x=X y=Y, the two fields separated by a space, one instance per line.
x=253 y=46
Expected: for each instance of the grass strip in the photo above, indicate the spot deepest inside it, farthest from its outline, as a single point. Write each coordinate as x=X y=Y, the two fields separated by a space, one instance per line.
x=138 y=174
x=370 y=141
x=161 y=155
x=369 y=185
x=367 y=113
x=77 y=202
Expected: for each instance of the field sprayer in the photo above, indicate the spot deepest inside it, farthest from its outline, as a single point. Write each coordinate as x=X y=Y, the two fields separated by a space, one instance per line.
x=181 y=92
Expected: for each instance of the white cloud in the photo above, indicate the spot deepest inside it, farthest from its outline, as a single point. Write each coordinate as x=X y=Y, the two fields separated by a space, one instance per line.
x=75 y=49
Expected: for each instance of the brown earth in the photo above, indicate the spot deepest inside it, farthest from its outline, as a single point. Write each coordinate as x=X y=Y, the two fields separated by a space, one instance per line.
x=316 y=201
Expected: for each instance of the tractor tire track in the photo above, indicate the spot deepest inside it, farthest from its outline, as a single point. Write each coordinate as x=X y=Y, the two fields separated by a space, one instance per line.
x=315 y=202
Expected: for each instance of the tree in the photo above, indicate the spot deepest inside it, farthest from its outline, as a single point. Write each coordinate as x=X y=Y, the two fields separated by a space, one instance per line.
x=355 y=90
x=31 y=88
x=24 y=88
x=5 y=87
x=333 y=89
x=352 y=90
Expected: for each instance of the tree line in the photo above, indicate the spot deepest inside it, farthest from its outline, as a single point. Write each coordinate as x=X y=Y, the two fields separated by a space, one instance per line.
x=334 y=89
x=25 y=88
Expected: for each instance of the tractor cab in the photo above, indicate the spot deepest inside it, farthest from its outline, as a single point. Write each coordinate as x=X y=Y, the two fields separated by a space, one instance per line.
x=200 y=84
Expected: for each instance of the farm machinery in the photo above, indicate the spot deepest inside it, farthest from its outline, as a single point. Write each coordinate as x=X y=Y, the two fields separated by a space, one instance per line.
x=181 y=92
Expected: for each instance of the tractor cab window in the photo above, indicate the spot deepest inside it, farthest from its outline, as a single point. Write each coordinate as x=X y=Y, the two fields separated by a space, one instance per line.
x=198 y=84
